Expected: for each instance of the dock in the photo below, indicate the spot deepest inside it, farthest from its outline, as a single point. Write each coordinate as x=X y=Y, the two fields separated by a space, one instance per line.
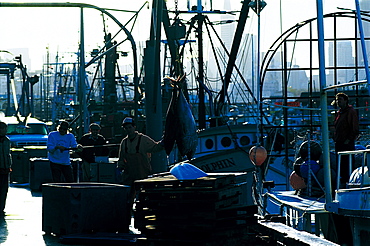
x=23 y=224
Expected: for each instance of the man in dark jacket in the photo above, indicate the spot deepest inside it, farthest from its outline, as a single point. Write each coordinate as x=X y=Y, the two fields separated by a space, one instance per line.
x=5 y=165
x=88 y=155
x=346 y=132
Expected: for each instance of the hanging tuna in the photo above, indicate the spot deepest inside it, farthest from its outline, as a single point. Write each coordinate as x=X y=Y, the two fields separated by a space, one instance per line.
x=180 y=125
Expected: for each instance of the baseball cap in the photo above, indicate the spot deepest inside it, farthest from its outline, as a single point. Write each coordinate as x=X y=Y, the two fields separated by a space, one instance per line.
x=94 y=126
x=128 y=120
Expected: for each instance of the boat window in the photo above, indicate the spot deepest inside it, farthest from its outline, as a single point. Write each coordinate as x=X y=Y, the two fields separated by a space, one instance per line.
x=209 y=143
x=244 y=140
x=226 y=142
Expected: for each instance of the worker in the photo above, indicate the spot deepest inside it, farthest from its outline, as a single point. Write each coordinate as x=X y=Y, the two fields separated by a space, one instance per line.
x=134 y=154
x=5 y=166
x=93 y=138
x=58 y=145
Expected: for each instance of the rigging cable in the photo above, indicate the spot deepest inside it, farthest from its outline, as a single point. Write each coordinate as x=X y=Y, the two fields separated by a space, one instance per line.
x=236 y=68
x=207 y=22
x=291 y=58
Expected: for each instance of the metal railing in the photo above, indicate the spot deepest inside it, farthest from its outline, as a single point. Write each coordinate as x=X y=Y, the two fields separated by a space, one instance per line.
x=350 y=169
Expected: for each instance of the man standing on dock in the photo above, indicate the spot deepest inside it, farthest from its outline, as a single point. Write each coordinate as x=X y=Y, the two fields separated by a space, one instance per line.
x=59 y=143
x=134 y=154
x=346 y=132
x=5 y=166
x=88 y=155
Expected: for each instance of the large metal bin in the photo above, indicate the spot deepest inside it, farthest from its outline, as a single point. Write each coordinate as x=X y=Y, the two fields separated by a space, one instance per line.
x=69 y=208
x=20 y=166
x=40 y=173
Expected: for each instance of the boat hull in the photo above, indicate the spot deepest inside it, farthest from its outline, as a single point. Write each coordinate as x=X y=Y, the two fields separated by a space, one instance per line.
x=354 y=201
x=354 y=204
x=235 y=160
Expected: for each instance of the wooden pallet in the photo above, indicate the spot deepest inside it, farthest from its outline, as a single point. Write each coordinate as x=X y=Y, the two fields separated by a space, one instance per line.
x=159 y=221
x=173 y=224
x=212 y=181
x=211 y=198
x=199 y=231
x=194 y=193
x=192 y=209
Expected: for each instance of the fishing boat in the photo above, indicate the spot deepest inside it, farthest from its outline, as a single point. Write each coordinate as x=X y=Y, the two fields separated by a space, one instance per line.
x=349 y=204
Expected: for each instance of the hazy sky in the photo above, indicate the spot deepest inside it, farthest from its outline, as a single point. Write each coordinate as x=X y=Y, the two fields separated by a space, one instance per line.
x=57 y=29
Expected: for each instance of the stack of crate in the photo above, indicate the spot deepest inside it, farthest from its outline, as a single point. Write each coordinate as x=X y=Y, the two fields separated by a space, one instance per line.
x=200 y=209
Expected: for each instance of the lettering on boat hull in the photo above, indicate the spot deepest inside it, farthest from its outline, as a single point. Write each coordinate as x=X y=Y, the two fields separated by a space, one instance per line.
x=218 y=165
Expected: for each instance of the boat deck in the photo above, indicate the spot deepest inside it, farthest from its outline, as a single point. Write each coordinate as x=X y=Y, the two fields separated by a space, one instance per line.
x=299 y=210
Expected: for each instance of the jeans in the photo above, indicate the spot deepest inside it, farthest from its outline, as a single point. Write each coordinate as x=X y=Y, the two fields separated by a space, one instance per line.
x=61 y=173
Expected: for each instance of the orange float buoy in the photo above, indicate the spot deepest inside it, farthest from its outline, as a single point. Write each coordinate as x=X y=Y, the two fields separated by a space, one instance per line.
x=296 y=182
x=258 y=155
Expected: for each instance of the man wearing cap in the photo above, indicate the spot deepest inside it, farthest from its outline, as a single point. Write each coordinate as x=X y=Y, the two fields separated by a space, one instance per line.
x=88 y=155
x=135 y=152
x=5 y=165
x=58 y=145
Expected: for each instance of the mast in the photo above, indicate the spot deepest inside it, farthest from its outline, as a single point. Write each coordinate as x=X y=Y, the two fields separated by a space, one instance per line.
x=152 y=80
x=201 y=105
x=110 y=93
x=81 y=82
x=363 y=44
x=323 y=101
